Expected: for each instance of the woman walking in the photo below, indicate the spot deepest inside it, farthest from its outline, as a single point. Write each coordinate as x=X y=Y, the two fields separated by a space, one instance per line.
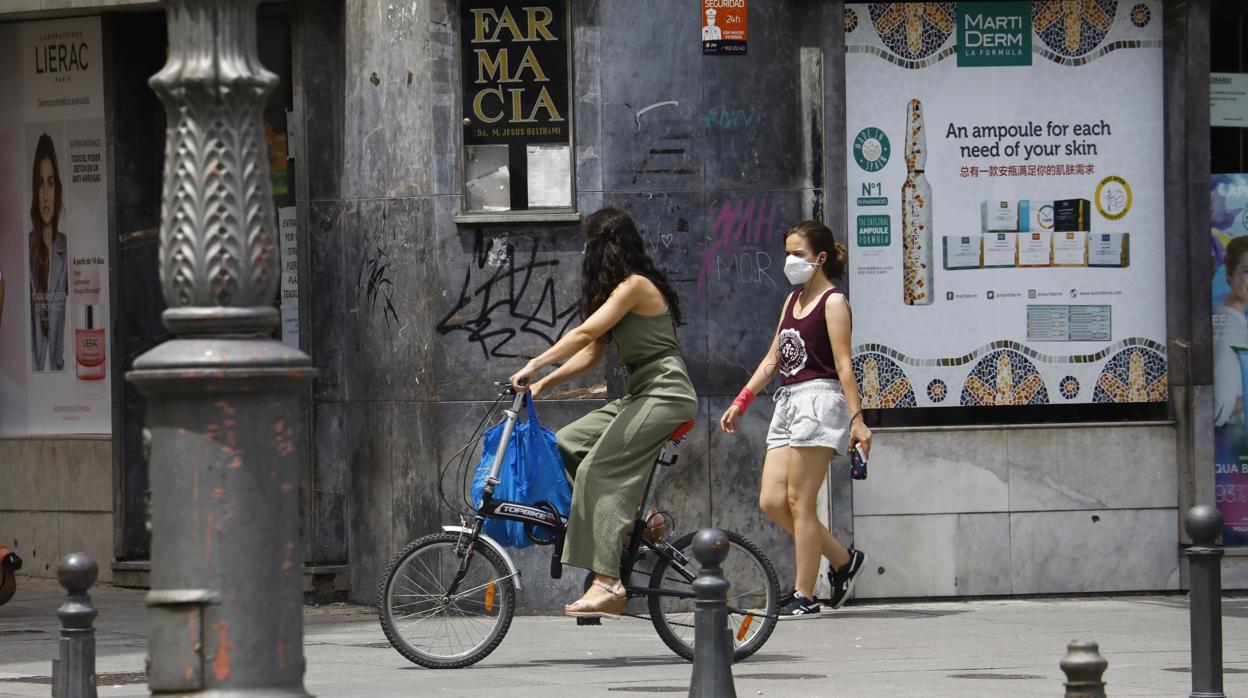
x=625 y=299
x=816 y=415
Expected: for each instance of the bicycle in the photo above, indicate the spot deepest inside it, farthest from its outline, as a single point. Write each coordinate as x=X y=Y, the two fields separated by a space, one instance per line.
x=447 y=599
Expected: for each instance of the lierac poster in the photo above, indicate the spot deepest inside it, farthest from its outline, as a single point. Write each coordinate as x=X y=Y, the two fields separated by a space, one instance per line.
x=1005 y=171
x=1229 y=222
x=54 y=314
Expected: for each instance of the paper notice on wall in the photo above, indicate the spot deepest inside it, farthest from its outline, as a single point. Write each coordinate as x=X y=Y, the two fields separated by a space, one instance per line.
x=288 y=233
x=491 y=191
x=1228 y=99
x=290 y=326
x=550 y=176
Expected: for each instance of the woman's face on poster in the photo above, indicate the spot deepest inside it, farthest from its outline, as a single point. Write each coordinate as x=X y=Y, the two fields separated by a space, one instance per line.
x=1238 y=279
x=47 y=191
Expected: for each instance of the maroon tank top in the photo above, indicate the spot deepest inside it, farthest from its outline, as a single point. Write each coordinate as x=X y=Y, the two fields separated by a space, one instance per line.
x=805 y=352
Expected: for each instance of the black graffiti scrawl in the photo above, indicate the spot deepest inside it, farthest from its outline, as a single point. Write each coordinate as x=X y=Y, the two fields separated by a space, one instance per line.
x=507 y=293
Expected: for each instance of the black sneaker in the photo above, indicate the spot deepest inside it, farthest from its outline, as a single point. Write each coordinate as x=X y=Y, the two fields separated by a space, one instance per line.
x=799 y=607
x=842 y=580
x=785 y=599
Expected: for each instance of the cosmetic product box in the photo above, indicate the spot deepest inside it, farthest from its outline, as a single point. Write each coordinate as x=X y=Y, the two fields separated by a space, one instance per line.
x=1035 y=216
x=1070 y=249
x=999 y=216
x=1109 y=249
x=1072 y=215
x=1035 y=249
x=1000 y=250
x=963 y=252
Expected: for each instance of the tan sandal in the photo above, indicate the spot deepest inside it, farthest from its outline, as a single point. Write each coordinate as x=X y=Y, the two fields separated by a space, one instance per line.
x=656 y=527
x=608 y=607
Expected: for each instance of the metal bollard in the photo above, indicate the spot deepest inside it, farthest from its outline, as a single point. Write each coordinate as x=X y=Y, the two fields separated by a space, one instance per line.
x=73 y=674
x=1084 y=666
x=1204 y=525
x=712 y=643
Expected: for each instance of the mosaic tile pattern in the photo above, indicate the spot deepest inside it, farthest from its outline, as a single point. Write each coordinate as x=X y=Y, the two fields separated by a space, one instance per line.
x=1102 y=51
x=1135 y=374
x=1004 y=377
x=1012 y=346
x=851 y=20
x=1072 y=28
x=882 y=382
x=937 y=391
x=913 y=30
x=1069 y=387
x=1141 y=15
x=906 y=63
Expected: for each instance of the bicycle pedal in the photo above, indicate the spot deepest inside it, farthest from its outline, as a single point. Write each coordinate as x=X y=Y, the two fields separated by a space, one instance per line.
x=589 y=621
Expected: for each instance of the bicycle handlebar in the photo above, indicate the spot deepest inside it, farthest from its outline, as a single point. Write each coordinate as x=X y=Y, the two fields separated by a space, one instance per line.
x=507 y=387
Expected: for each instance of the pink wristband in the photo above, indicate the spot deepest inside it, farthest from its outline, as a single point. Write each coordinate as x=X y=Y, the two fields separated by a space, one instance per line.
x=744 y=399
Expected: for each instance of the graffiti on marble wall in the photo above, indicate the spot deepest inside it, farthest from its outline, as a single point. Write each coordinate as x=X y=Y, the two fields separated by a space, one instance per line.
x=508 y=295
x=374 y=281
x=725 y=118
x=744 y=233
x=670 y=158
x=669 y=248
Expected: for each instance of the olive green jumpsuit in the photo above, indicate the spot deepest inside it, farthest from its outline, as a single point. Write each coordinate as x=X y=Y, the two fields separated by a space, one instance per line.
x=609 y=452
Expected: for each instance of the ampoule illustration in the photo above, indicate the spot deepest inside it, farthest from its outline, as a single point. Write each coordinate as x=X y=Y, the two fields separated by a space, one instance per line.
x=916 y=214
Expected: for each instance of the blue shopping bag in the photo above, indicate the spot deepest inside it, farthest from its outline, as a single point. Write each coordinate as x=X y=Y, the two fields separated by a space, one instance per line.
x=532 y=471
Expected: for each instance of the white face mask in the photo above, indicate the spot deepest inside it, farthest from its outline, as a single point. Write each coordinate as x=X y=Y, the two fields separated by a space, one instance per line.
x=798 y=270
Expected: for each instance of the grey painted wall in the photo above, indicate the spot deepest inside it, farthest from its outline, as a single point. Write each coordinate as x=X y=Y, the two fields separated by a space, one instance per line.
x=413 y=316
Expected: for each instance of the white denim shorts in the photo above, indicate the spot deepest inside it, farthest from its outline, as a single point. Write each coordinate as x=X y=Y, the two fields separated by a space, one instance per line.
x=810 y=413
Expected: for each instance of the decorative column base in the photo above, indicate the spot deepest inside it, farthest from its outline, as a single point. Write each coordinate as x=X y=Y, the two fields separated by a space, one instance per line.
x=226 y=601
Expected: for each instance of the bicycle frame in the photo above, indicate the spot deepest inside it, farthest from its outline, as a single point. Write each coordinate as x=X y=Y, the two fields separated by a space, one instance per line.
x=528 y=514
x=507 y=510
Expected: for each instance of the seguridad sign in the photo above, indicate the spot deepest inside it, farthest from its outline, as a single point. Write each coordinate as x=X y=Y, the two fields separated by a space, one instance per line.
x=725 y=27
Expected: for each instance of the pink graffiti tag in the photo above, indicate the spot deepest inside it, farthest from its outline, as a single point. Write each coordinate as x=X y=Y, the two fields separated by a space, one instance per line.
x=739 y=226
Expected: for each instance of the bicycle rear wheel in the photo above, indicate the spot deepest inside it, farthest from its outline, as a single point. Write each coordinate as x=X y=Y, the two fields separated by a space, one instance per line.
x=435 y=630
x=753 y=597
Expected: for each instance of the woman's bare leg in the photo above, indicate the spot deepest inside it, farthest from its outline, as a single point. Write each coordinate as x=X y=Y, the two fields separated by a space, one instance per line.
x=806 y=470
x=773 y=495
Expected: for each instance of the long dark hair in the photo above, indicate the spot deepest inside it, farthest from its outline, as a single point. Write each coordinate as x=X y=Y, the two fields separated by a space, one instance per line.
x=613 y=251
x=40 y=255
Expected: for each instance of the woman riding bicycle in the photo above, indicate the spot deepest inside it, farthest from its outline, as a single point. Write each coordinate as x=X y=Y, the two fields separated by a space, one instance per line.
x=817 y=415
x=625 y=299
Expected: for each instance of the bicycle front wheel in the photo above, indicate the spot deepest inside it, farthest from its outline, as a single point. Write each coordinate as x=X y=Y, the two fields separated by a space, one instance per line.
x=753 y=596
x=435 y=629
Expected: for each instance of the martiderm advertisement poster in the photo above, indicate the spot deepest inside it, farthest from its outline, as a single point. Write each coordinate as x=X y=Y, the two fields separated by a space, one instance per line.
x=1005 y=202
x=1229 y=221
x=54 y=315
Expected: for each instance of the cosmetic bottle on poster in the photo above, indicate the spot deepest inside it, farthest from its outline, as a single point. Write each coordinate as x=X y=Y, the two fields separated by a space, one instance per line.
x=89 y=343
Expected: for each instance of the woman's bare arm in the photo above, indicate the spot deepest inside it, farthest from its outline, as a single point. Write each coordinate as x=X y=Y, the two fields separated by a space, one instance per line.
x=580 y=362
x=836 y=312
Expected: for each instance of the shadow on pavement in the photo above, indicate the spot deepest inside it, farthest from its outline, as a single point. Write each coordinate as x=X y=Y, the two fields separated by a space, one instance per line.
x=625 y=662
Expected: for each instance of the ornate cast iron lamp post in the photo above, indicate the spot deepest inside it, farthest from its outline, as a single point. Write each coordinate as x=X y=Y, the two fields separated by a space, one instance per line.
x=223 y=398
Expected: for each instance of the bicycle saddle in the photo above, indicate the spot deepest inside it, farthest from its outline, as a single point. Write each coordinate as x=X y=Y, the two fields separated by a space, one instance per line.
x=681 y=432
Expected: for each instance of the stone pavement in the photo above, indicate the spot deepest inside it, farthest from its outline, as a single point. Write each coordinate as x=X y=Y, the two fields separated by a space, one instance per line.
x=956 y=648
